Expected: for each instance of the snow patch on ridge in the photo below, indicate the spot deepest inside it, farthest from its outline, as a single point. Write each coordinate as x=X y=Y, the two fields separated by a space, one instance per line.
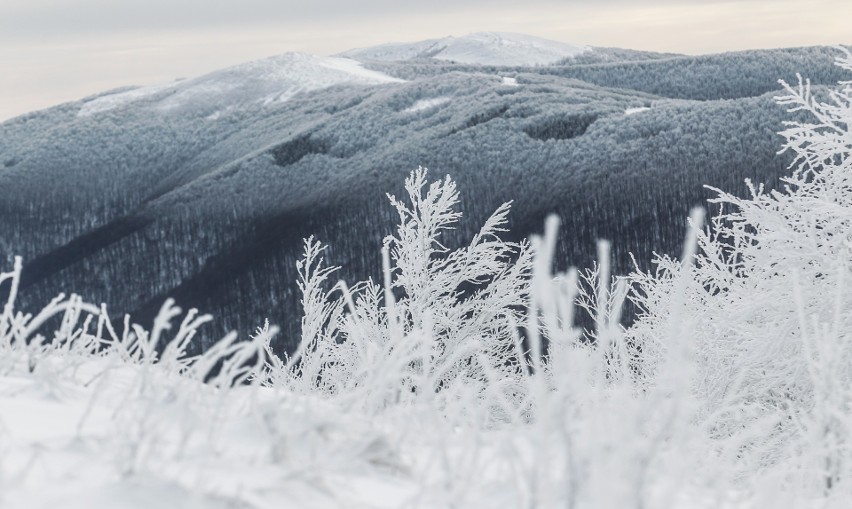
x=112 y=101
x=633 y=111
x=425 y=104
x=486 y=48
x=271 y=80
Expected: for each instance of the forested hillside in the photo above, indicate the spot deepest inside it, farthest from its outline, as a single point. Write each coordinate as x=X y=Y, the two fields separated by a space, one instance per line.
x=208 y=204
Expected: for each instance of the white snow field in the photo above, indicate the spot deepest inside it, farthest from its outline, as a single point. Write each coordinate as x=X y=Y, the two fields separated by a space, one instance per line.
x=731 y=389
x=486 y=48
x=89 y=432
x=274 y=79
x=426 y=104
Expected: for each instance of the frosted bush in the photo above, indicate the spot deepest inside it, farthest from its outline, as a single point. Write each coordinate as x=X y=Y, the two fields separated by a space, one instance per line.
x=444 y=320
x=770 y=307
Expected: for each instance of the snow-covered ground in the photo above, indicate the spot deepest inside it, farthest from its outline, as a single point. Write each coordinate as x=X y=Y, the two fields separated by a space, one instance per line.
x=486 y=48
x=425 y=104
x=274 y=79
x=638 y=109
x=101 y=434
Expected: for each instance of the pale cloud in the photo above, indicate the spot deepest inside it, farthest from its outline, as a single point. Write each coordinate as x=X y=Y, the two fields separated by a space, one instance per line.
x=59 y=50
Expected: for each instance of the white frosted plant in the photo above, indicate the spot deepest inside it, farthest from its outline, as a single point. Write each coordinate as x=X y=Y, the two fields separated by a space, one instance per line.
x=443 y=323
x=607 y=433
x=771 y=308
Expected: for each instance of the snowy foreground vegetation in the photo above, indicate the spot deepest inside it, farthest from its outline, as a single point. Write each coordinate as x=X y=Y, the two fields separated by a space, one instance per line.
x=461 y=380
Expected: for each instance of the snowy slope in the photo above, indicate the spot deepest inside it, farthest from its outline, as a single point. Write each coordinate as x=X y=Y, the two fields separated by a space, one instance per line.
x=487 y=48
x=181 y=445
x=274 y=79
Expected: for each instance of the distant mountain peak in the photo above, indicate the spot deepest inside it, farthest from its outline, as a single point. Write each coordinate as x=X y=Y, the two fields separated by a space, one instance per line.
x=486 y=48
x=273 y=79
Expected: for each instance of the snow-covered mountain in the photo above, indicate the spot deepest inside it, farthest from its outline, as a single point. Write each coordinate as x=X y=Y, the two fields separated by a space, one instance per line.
x=486 y=48
x=202 y=190
x=274 y=79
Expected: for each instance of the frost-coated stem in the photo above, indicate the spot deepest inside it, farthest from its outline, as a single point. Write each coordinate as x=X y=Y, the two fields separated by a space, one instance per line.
x=390 y=300
x=8 y=308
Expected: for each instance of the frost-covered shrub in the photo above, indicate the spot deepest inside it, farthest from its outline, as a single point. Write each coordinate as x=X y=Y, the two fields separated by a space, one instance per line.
x=443 y=319
x=769 y=305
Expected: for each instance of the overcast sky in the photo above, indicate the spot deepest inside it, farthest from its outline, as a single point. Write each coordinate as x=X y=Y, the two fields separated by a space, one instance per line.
x=53 y=51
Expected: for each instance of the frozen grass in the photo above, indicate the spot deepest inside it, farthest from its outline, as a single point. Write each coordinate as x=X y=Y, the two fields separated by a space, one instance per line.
x=731 y=390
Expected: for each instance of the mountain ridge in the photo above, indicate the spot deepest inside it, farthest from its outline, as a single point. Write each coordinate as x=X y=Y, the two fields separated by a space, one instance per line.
x=130 y=205
x=487 y=48
x=273 y=79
